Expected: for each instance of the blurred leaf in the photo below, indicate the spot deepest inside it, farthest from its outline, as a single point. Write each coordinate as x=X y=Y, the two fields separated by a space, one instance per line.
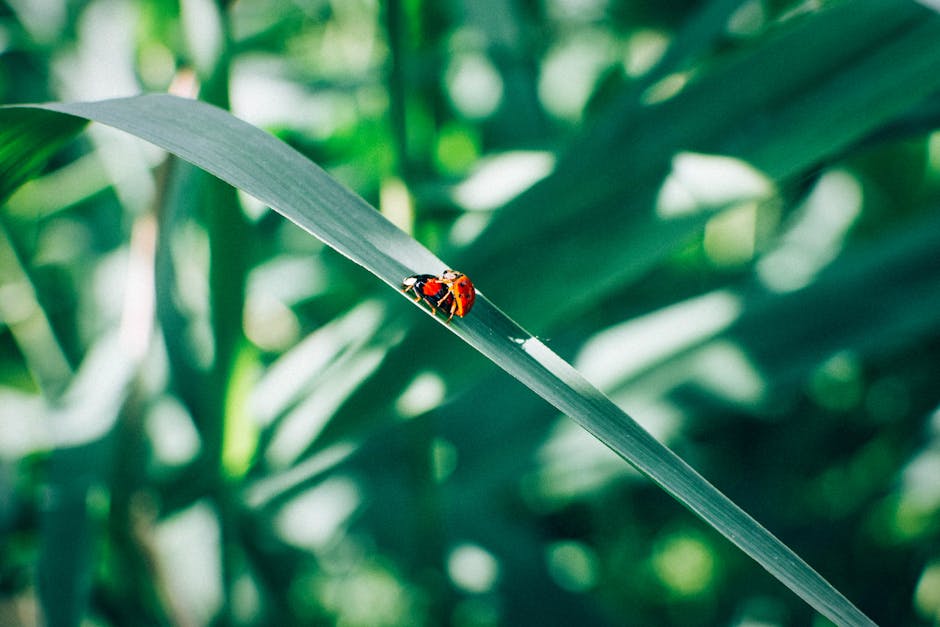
x=26 y=144
x=816 y=86
x=275 y=174
x=79 y=425
x=28 y=322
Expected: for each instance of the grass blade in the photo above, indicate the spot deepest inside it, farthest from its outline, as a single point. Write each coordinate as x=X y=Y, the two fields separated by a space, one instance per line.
x=264 y=167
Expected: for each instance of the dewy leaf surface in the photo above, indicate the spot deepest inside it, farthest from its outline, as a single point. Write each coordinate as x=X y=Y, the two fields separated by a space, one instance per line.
x=261 y=165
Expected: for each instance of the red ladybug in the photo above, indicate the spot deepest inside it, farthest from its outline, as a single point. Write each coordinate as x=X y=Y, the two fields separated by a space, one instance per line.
x=452 y=292
x=462 y=290
x=428 y=288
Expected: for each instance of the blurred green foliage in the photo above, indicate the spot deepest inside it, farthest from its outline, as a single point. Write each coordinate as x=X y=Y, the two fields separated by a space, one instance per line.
x=208 y=417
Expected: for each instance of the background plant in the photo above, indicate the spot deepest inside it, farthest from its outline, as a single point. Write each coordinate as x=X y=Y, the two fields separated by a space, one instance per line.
x=773 y=316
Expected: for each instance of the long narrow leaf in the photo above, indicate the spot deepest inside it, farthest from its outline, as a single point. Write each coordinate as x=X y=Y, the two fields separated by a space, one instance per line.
x=268 y=169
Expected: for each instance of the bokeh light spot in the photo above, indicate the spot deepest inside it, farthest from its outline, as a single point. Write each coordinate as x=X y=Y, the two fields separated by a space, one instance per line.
x=573 y=565
x=474 y=85
x=472 y=568
x=684 y=564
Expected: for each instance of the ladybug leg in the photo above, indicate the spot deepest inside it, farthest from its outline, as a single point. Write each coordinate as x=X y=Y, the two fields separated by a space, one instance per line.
x=453 y=309
x=419 y=298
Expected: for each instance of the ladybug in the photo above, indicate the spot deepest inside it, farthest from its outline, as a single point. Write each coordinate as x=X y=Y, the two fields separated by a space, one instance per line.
x=452 y=292
x=462 y=290
x=428 y=288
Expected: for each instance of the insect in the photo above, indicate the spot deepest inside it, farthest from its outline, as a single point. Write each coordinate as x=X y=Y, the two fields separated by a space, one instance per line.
x=452 y=292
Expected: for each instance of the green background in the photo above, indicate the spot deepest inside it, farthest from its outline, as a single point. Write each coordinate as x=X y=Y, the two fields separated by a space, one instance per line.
x=736 y=237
